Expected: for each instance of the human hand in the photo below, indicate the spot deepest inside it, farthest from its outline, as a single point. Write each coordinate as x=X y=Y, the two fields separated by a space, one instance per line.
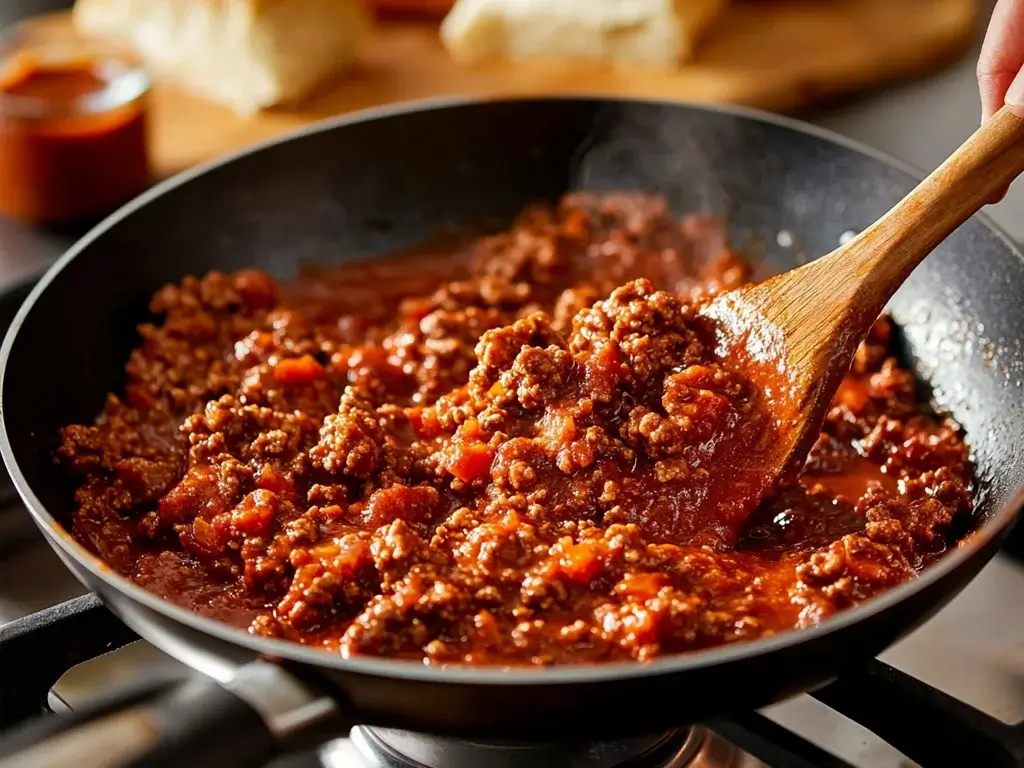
x=1001 y=64
x=1000 y=74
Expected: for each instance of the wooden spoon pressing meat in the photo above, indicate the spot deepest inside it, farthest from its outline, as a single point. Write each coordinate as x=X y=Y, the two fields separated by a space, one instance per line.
x=795 y=335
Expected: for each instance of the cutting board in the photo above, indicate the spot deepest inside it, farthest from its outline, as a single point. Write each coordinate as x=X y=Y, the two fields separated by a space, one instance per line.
x=774 y=54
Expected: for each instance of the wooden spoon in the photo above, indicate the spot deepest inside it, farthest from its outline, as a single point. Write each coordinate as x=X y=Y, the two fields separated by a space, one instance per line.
x=795 y=335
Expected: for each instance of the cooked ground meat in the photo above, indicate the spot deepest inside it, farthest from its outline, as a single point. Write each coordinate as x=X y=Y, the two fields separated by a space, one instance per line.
x=517 y=452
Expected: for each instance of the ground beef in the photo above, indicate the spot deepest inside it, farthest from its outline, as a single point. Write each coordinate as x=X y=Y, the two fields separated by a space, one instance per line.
x=519 y=450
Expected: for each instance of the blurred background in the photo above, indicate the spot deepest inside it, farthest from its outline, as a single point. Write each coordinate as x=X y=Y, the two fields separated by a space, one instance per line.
x=895 y=74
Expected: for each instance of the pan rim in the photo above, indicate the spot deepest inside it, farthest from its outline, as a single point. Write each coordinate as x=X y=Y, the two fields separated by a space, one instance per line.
x=403 y=670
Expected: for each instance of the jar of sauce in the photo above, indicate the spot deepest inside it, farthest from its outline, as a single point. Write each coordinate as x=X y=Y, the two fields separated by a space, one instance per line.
x=72 y=125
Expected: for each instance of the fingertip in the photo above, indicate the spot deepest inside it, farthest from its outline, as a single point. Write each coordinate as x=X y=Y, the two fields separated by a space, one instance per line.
x=993 y=91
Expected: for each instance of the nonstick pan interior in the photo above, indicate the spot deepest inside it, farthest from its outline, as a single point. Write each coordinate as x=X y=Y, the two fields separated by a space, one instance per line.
x=373 y=186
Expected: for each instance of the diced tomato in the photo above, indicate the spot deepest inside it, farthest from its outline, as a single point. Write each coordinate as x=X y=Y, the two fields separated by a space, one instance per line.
x=853 y=394
x=255 y=513
x=424 y=421
x=271 y=479
x=367 y=358
x=641 y=624
x=512 y=521
x=199 y=489
x=205 y=537
x=580 y=562
x=468 y=461
x=353 y=555
x=399 y=502
x=345 y=555
x=298 y=371
x=470 y=431
x=642 y=586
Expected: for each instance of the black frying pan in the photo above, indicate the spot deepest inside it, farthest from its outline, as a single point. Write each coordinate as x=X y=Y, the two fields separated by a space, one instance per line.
x=384 y=180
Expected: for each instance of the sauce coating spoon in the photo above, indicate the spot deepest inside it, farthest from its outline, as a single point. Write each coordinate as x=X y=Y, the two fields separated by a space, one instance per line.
x=795 y=335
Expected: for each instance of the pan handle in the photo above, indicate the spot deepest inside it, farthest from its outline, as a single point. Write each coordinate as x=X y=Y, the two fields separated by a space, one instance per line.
x=196 y=722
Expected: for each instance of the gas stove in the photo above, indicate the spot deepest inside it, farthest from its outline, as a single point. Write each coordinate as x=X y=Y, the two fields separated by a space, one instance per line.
x=942 y=696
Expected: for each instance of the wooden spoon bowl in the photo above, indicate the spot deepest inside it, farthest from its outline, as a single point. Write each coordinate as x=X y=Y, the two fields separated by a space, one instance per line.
x=794 y=336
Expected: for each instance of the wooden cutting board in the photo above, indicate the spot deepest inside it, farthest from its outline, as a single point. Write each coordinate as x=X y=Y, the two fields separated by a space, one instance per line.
x=773 y=54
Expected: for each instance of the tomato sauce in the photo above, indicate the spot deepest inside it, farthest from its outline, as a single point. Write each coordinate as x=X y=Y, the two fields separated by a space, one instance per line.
x=522 y=453
x=72 y=138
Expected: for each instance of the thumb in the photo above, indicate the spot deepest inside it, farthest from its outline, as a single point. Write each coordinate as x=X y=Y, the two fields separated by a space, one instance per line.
x=1015 y=103
x=1015 y=95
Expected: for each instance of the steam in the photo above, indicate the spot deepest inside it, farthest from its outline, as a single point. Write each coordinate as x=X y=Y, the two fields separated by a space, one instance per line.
x=655 y=151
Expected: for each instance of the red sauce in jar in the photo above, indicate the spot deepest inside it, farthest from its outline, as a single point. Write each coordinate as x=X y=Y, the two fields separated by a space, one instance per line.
x=72 y=139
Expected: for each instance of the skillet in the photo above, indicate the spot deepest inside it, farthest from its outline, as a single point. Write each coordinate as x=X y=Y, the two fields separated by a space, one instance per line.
x=387 y=179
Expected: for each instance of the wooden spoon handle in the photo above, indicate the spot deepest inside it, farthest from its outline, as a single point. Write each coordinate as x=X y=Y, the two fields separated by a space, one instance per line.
x=885 y=254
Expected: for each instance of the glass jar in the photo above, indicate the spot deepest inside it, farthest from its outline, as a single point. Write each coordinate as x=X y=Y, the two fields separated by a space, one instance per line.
x=72 y=124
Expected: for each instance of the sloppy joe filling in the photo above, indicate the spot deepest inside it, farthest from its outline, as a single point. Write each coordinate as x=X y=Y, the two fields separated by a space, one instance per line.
x=519 y=451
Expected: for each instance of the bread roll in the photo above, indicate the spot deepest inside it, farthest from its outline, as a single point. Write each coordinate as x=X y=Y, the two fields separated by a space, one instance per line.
x=662 y=33
x=247 y=54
